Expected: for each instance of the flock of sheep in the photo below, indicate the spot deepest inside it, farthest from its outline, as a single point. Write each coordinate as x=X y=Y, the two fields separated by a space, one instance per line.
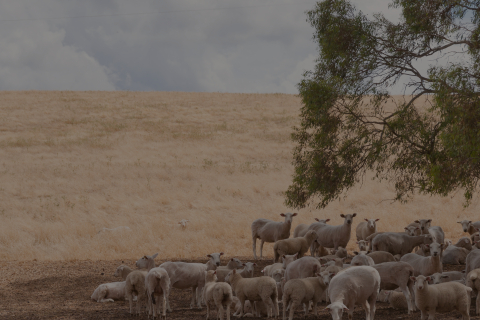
x=383 y=269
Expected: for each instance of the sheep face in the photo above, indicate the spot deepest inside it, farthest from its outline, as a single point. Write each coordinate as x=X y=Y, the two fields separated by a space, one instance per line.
x=421 y=282
x=142 y=263
x=371 y=223
x=215 y=258
x=362 y=245
x=348 y=217
x=435 y=249
x=288 y=217
x=424 y=223
x=437 y=278
x=412 y=231
x=465 y=224
x=326 y=276
x=336 y=310
x=118 y=272
x=249 y=267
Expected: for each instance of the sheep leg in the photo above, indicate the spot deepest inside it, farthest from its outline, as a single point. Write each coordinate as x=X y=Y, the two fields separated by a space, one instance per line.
x=371 y=301
x=293 y=304
x=208 y=308
x=130 y=301
x=220 y=310
x=477 y=304
x=164 y=310
x=199 y=297
x=423 y=314
x=431 y=314
x=406 y=293
x=242 y=303
x=366 y=307
x=106 y=300
x=194 y=297
x=261 y=248
x=254 y=238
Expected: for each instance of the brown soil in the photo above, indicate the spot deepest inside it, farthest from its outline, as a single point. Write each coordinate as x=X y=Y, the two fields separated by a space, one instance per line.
x=61 y=290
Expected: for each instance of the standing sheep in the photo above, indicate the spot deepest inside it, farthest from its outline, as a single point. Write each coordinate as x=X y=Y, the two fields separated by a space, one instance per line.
x=399 y=243
x=157 y=282
x=381 y=257
x=270 y=231
x=426 y=265
x=220 y=293
x=366 y=228
x=135 y=282
x=302 y=228
x=302 y=268
x=298 y=245
x=473 y=281
x=354 y=286
x=469 y=226
x=302 y=291
x=334 y=236
x=443 y=297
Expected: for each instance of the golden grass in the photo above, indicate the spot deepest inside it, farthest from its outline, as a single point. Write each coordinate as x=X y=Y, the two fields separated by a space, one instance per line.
x=75 y=162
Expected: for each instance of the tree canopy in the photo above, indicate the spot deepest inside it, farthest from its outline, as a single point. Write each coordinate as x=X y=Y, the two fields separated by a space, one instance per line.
x=347 y=130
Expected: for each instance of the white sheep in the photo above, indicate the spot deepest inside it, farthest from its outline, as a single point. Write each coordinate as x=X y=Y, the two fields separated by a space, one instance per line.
x=443 y=297
x=108 y=292
x=287 y=259
x=363 y=245
x=381 y=257
x=443 y=277
x=473 y=282
x=135 y=282
x=222 y=271
x=218 y=292
x=469 y=226
x=247 y=308
x=302 y=228
x=270 y=269
x=399 y=243
x=122 y=271
x=291 y=246
x=302 y=268
x=157 y=282
x=302 y=291
x=270 y=231
x=396 y=299
x=145 y=262
x=341 y=252
x=366 y=228
x=353 y=286
x=183 y=223
x=255 y=289
x=361 y=259
x=423 y=224
x=334 y=236
x=473 y=261
x=426 y=265
x=455 y=255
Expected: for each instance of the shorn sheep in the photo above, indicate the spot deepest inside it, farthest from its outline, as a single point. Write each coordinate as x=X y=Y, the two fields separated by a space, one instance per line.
x=302 y=291
x=366 y=228
x=219 y=293
x=298 y=245
x=302 y=228
x=334 y=236
x=426 y=265
x=270 y=231
x=157 y=282
x=443 y=297
x=108 y=292
x=135 y=282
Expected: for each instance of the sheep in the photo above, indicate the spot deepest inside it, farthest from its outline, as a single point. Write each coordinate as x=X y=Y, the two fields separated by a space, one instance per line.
x=399 y=243
x=247 y=308
x=334 y=259
x=302 y=291
x=366 y=228
x=302 y=228
x=135 y=285
x=381 y=257
x=184 y=275
x=302 y=268
x=287 y=259
x=455 y=255
x=423 y=224
x=371 y=237
x=437 y=277
x=183 y=223
x=270 y=269
x=361 y=259
x=443 y=297
x=395 y=275
x=246 y=272
x=278 y=275
x=358 y=285
x=473 y=261
x=469 y=226
x=255 y=289
x=363 y=245
x=423 y=250
x=396 y=299
x=334 y=236
x=109 y=292
x=437 y=234
x=448 y=242
x=233 y=263
x=294 y=245
x=146 y=262
x=270 y=231
x=157 y=282
x=397 y=257
x=473 y=282
x=122 y=271
x=413 y=230
x=219 y=293
x=464 y=242
x=341 y=252
x=320 y=251
x=426 y=265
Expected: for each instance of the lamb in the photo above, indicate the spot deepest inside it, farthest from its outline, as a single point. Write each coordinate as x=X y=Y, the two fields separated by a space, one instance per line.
x=219 y=293
x=109 y=292
x=302 y=291
x=426 y=265
x=363 y=245
x=298 y=245
x=381 y=257
x=437 y=277
x=443 y=297
x=334 y=236
x=287 y=259
x=157 y=282
x=247 y=308
x=473 y=261
x=413 y=230
x=469 y=226
x=302 y=228
x=341 y=252
x=396 y=299
x=395 y=275
x=145 y=262
x=366 y=228
x=473 y=282
x=183 y=223
x=320 y=251
x=255 y=289
x=270 y=231
x=122 y=271
x=185 y=275
x=361 y=259
x=358 y=285
x=399 y=243
x=455 y=255
x=135 y=282
x=437 y=234
x=270 y=269
x=302 y=268
x=278 y=275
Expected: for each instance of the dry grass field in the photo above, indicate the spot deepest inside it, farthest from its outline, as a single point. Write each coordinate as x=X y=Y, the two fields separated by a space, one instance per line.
x=73 y=163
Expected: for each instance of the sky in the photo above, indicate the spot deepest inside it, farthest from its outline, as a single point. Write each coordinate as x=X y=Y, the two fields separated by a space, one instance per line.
x=246 y=46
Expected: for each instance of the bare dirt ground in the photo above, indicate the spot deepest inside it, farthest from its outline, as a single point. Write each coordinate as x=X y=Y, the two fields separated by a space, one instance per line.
x=61 y=290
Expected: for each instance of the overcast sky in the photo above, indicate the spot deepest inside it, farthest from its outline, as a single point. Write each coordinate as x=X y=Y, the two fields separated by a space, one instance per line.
x=169 y=45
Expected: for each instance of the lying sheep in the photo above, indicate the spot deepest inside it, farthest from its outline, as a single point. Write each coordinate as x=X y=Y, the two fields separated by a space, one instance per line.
x=395 y=275
x=157 y=282
x=354 y=286
x=320 y=250
x=341 y=252
x=443 y=277
x=473 y=282
x=363 y=245
x=302 y=228
x=473 y=261
x=122 y=271
x=361 y=259
x=302 y=268
x=278 y=275
x=293 y=245
x=426 y=265
x=454 y=255
x=270 y=269
x=334 y=236
x=396 y=299
x=270 y=231
x=219 y=293
x=381 y=257
x=464 y=242
x=302 y=291
x=109 y=292
x=399 y=243
x=256 y=289
x=366 y=228
x=247 y=308
x=443 y=297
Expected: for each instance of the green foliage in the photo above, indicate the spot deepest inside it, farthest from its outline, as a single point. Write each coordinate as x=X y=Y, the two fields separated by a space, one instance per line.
x=347 y=128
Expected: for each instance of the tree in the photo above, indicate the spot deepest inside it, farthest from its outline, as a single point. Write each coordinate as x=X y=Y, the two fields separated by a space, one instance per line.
x=346 y=130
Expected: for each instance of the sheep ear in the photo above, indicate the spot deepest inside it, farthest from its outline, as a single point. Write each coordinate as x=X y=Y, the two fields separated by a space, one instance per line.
x=377 y=219
x=295 y=255
x=357 y=242
x=463 y=271
x=327 y=220
x=429 y=220
x=470 y=221
x=282 y=214
x=221 y=253
x=356 y=252
x=295 y=214
x=244 y=264
x=428 y=278
x=354 y=215
x=254 y=264
x=417 y=221
x=316 y=219
x=342 y=215
x=366 y=219
x=369 y=251
x=155 y=255
x=327 y=307
x=458 y=222
x=413 y=278
x=403 y=228
x=234 y=271
x=209 y=255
